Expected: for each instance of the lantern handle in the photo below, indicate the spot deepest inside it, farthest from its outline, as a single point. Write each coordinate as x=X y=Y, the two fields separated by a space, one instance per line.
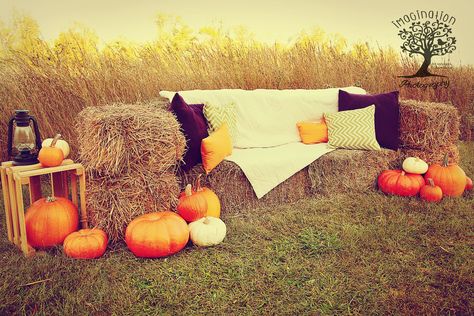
x=10 y=136
x=37 y=132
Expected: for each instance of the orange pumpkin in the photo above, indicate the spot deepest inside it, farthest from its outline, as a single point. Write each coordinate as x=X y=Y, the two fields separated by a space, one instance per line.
x=51 y=156
x=449 y=177
x=468 y=184
x=157 y=234
x=86 y=244
x=431 y=192
x=398 y=182
x=49 y=220
x=213 y=202
x=191 y=205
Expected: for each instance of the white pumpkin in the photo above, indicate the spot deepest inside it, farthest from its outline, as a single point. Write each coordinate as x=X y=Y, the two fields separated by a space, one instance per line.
x=415 y=165
x=61 y=144
x=207 y=231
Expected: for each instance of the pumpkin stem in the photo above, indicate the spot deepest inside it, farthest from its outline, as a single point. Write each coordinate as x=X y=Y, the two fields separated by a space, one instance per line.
x=445 y=160
x=55 y=140
x=431 y=182
x=188 y=190
x=206 y=220
x=197 y=185
x=50 y=199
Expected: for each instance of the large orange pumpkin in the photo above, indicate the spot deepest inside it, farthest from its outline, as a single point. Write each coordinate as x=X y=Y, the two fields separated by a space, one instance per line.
x=213 y=202
x=157 y=234
x=86 y=244
x=49 y=220
x=449 y=177
x=191 y=205
x=398 y=182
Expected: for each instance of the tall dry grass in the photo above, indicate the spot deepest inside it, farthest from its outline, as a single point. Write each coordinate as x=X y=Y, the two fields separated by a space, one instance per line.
x=55 y=80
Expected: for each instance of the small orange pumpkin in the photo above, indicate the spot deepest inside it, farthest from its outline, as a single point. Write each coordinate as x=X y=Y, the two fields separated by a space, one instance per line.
x=86 y=244
x=157 y=234
x=51 y=156
x=192 y=205
x=398 y=182
x=49 y=220
x=431 y=192
x=449 y=177
x=468 y=184
x=213 y=202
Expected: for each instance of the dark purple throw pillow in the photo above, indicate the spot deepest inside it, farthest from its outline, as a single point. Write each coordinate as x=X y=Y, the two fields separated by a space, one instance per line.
x=387 y=114
x=194 y=126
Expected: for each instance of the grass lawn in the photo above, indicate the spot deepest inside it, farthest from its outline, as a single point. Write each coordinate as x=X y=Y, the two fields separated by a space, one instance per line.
x=345 y=254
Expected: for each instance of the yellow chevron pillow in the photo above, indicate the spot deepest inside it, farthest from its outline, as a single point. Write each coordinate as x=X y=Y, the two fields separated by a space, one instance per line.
x=353 y=129
x=216 y=115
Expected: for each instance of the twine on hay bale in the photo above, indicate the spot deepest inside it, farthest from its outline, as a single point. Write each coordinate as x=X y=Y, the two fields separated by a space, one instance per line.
x=344 y=170
x=112 y=203
x=120 y=138
x=432 y=156
x=427 y=125
x=235 y=192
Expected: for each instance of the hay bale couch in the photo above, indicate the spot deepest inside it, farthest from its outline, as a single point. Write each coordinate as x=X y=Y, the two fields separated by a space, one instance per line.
x=427 y=130
x=132 y=152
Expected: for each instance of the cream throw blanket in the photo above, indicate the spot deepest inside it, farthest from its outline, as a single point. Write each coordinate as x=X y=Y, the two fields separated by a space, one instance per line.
x=267 y=145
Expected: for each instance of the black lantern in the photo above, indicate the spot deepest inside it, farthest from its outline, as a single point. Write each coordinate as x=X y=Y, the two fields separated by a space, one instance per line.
x=24 y=140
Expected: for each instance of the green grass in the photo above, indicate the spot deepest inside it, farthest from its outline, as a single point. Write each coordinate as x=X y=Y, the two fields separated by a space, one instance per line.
x=346 y=254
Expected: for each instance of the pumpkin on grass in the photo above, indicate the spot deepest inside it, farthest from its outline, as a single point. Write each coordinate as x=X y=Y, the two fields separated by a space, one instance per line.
x=49 y=220
x=414 y=165
x=398 y=182
x=213 y=202
x=86 y=244
x=468 y=184
x=449 y=177
x=51 y=156
x=191 y=205
x=431 y=192
x=157 y=234
x=207 y=231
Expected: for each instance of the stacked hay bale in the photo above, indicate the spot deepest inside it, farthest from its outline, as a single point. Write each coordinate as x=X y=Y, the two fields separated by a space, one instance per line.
x=130 y=153
x=429 y=130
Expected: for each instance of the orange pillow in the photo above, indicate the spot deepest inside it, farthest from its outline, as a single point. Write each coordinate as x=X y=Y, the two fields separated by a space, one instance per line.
x=216 y=147
x=313 y=132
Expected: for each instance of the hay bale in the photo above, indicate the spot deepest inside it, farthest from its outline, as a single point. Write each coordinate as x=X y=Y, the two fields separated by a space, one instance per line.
x=120 y=138
x=235 y=192
x=344 y=170
x=339 y=171
x=112 y=202
x=427 y=125
x=432 y=156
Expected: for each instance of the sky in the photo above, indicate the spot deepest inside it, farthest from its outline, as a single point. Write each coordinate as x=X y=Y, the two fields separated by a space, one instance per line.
x=270 y=20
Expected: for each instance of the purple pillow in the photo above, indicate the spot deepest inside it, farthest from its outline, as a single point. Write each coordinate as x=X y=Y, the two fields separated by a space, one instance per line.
x=194 y=126
x=387 y=114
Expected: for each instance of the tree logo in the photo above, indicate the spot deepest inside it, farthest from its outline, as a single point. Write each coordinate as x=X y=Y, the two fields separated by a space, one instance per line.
x=428 y=38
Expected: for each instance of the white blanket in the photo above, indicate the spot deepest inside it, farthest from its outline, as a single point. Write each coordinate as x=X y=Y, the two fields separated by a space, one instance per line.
x=267 y=145
x=265 y=168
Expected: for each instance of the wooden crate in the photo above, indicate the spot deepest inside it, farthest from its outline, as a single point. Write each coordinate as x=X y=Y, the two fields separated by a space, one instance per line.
x=13 y=179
